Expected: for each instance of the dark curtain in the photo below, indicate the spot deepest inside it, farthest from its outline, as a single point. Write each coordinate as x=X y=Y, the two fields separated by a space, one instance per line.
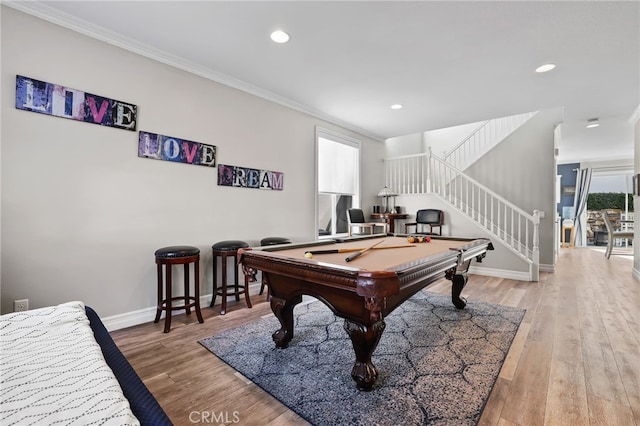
x=342 y=223
x=344 y=204
x=580 y=201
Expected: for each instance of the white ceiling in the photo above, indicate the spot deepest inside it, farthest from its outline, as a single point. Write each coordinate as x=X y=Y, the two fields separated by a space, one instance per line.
x=447 y=62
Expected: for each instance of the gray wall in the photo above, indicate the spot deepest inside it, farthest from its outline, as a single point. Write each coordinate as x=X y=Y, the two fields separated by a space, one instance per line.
x=522 y=169
x=82 y=215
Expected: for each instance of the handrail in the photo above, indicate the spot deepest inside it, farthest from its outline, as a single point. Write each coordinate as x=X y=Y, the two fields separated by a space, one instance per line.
x=465 y=140
x=506 y=221
x=481 y=186
x=486 y=136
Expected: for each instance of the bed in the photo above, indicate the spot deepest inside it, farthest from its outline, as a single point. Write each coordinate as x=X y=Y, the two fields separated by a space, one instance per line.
x=60 y=365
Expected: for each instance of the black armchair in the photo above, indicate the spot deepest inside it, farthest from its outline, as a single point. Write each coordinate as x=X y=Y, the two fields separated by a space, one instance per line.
x=432 y=218
x=357 y=220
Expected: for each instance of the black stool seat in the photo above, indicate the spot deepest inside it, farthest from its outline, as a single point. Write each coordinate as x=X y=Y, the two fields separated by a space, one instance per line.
x=223 y=249
x=229 y=245
x=177 y=251
x=272 y=241
x=177 y=255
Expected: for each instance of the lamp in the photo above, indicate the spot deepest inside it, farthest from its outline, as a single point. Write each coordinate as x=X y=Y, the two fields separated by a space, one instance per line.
x=385 y=193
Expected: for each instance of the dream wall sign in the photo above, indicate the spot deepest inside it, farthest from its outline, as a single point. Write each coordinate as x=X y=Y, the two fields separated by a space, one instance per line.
x=52 y=99
x=249 y=178
x=168 y=148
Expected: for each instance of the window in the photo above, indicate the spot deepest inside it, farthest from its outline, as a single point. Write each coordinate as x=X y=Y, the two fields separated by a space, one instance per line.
x=337 y=180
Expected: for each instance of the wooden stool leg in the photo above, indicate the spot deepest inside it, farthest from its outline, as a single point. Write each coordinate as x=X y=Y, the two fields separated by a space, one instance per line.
x=186 y=289
x=159 y=306
x=215 y=280
x=265 y=281
x=223 y=308
x=235 y=276
x=262 y=287
x=197 y=291
x=168 y=304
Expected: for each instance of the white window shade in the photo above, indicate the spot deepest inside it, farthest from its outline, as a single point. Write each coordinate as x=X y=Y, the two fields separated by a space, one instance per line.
x=337 y=167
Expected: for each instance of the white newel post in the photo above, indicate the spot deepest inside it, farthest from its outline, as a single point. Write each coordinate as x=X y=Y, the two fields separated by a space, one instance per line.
x=535 y=266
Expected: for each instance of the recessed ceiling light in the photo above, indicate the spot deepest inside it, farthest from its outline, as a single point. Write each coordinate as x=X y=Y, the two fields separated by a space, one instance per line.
x=396 y=106
x=592 y=122
x=280 y=36
x=545 y=67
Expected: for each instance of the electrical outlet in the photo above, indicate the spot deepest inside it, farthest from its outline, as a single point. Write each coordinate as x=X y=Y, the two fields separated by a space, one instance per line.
x=20 y=305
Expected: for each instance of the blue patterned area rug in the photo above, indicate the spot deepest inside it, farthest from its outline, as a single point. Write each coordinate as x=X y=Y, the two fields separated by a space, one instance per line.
x=436 y=364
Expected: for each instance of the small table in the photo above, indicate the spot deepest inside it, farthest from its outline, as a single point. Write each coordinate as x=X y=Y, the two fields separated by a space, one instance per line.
x=363 y=291
x=390 y=218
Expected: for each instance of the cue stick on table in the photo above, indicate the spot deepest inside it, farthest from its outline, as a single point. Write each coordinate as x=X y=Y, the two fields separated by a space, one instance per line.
x=353 y=256
x=348 y=250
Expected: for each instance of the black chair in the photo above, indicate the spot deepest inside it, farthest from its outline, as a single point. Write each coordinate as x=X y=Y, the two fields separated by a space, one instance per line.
x=432 y=218
x=356 y=220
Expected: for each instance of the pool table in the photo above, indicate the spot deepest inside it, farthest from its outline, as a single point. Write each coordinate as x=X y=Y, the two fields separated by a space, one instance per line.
x=364 y=290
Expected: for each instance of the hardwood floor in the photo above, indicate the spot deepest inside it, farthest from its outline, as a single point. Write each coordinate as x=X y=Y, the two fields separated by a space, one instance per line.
x=575 y=359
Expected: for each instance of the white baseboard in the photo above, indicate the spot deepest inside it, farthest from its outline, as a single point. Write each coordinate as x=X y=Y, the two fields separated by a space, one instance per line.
x=500 y=273
x=547 y=268
x=129 y=319
x=636 y=274
x=141 y=316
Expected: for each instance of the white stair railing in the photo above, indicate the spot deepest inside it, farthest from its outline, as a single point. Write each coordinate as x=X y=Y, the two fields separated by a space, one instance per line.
x=429 y=174
x=487 y=135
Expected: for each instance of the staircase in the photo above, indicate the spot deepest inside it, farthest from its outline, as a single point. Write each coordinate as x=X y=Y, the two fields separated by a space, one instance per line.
x=483 y=138
x=427 y=173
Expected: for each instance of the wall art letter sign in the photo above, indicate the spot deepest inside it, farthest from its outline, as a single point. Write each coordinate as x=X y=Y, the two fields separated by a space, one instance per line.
x=167 y=148
x=59 y=101
x=245 y=177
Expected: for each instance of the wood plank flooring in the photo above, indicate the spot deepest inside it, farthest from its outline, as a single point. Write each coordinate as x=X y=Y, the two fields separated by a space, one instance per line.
x=575 y=359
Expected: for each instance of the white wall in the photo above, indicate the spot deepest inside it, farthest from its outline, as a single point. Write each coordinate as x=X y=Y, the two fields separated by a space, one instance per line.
x=443 y=140
x=82 y=215
x=403 y=145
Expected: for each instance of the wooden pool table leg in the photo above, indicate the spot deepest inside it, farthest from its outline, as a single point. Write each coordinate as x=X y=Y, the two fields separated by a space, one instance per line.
x=458 y=282
x=283 y=310
x=365 y=340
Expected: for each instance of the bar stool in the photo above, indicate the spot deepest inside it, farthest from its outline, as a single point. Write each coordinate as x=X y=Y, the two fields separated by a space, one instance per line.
x=177 y=255
x=271 y=241
x=224 y=249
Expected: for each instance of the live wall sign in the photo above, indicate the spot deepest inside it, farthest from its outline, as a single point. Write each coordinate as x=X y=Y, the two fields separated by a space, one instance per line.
x=59 y=101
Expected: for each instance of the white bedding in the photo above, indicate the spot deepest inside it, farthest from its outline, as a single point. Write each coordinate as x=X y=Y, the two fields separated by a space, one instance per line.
x=52 y=371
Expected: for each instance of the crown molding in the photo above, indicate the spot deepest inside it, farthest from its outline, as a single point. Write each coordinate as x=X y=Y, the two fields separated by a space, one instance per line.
x=49 y=14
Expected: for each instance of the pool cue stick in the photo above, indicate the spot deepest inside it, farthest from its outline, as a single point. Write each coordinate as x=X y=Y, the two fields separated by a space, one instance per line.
x=349 y=250
x=353 y=256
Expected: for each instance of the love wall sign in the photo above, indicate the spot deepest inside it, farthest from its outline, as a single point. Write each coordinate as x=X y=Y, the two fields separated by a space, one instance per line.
x=169 y=148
